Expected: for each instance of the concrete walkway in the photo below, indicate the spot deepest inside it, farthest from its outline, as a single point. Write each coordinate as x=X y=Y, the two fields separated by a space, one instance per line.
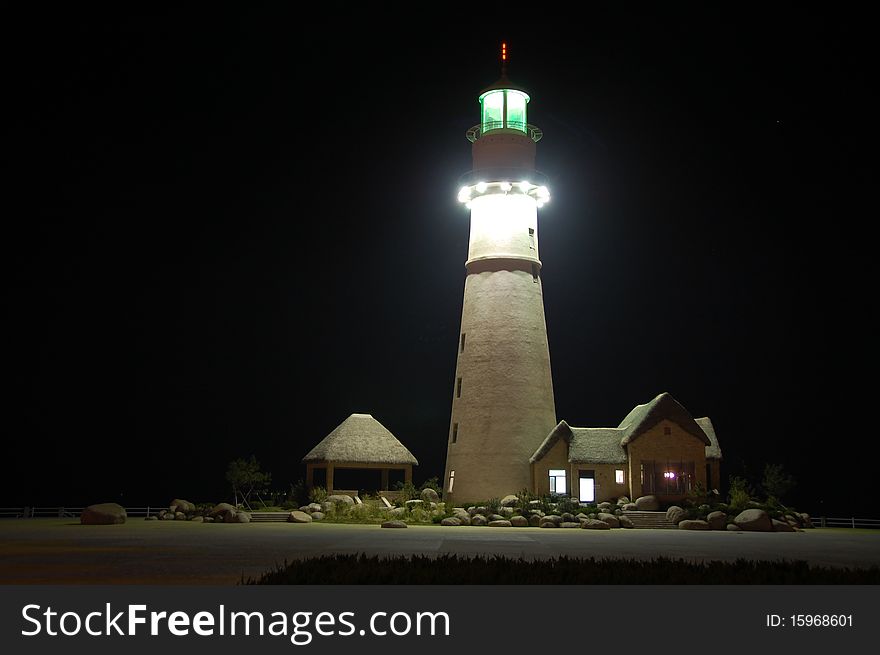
x=58 y=551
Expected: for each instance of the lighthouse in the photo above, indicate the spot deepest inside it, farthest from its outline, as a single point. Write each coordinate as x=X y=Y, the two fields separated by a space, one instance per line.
x=502 y=404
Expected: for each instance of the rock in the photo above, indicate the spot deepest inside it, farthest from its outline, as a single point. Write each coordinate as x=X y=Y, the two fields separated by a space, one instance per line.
x=507 y=512
x=198 y=519
x=314 y=507
x=500 y=523
x=675 y=514
x=497 y=517
x=630 y=507
x=623 y=500
x=625 y=522
x=451 y=521
x=570 y=524
x=594 y=524
x=179 y=516
x=167 y=516
x=327 y=507
x=242 y=517
x=519 y=521
x=781 y=526
x=306 y=508
x=103 y=514
x=299 y=517
x=221 y=508
x=414 y=503
x=535 y=503
x=805 y=520
x=754 y=520
x=178 y=505
x=605 y=507
x=208 y=519
x=397 y=512
x=152 y=517
x=341 y=498
x=430 y=496
x=509 y=500
x=544 y=523
x=568 y=517
x=717 y=520
x=689 y=524
x=460 y=513
x=394 y=524
x=479 y=519
x=534 y=520
x=581 y=516
x=647 y=504
x=610 y=519
x=733 y=527
x=318 y=516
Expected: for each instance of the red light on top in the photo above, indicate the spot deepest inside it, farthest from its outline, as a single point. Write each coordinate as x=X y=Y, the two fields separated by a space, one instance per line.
x=503 y=52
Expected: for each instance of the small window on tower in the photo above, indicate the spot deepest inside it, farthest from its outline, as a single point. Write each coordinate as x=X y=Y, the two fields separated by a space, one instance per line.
x=454 y=432
x=451 y=480
x=463 y=335
x=535 y=273
x=458 y=388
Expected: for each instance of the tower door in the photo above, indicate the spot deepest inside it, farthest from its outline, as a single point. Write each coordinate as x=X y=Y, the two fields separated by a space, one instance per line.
x=587 y=486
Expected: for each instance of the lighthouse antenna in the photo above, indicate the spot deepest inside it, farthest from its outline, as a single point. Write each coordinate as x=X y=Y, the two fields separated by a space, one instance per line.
x=504 y=59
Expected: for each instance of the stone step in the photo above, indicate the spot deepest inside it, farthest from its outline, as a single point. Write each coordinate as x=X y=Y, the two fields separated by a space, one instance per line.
x=267 y=517
x=650 y=520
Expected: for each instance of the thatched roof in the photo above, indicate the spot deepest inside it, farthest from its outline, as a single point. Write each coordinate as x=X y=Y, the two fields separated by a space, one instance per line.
x=643 y=417
x=585 y=445
x=713 y=450
x=361 y=438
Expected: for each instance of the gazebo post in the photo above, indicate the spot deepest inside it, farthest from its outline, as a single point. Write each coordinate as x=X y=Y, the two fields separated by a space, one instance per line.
x=310 y=476
x=384 y=480
x=407 y=473
x=330 y=478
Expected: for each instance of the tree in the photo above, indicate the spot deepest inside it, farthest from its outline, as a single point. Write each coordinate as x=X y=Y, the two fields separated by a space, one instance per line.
x=776 y=481
x=246 y=478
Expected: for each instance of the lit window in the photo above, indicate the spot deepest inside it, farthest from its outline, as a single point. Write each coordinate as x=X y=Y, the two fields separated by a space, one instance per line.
x=557 y=481
x=516 y=110
x=493 y=110
x=454 y=432
x=618 y=476
x=451 y=480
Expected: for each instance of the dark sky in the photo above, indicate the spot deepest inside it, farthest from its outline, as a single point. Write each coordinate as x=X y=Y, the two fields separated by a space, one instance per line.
x=209 y=211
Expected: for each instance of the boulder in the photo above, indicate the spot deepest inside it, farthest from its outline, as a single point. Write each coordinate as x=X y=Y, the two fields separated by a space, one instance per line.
x=497 y=517
x=314 y=507
x=625 y=522
x=418 y=502
x=781 y=526
x=647 y=504
x=509 y=500
x=318 y=516
x=507 y=512
x=568 y=517
x=451 y=521
x=460 y=513
x=103 y=514
x=299 y=517
x=500 y=523
x=690 y=524
x=394 y=524
x=478 y=519
x=341 y=498
x=534 y=520
x=327 y=506
x=179 y=516
x=167 y=516
x=308 y=509
x=545 y=523
x=675 y=514
x=430 y=496
x=221 y=508
x=610 y=519
x=198 y=519
x=805 y=520
x=605 y=507
x=629 y=507
x=594 y=524
x=717 y=520
x=152 y=517
x=178 y=505
x=733 y=527
x=397 y=512
x=623 y=500
x=208 y=519
x=519 y=521
x=241 y=517
x=754 y=520
x=570 y=524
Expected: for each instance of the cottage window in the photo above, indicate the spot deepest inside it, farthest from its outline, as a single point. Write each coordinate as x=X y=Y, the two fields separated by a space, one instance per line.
x=557 y=481
x=618 y=476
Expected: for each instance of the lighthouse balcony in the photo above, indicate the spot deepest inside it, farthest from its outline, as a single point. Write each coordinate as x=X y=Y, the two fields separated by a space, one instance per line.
x=481 y=129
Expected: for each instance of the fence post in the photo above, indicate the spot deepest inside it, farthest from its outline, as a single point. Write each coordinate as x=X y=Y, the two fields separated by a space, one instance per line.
x=854 y=522
x=822 y=522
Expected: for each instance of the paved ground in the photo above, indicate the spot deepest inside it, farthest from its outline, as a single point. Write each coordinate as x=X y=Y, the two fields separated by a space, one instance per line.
x=46 y=551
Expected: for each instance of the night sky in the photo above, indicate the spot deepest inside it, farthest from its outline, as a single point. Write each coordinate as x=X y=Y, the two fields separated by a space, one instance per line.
x=226 y=232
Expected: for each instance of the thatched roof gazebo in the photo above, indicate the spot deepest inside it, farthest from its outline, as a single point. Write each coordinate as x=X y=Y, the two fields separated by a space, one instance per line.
x=359 y=442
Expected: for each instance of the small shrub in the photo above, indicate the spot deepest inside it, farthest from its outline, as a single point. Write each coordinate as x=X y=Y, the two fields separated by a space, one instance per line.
x=317 y=494
x=407 y=491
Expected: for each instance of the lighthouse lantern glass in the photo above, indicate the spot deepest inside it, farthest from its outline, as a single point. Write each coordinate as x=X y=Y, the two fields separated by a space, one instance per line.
x=494 y=103
x=516 y=110
x=493 y=110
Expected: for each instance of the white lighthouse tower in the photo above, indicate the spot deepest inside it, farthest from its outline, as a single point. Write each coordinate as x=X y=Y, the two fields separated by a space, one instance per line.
x=502 y=405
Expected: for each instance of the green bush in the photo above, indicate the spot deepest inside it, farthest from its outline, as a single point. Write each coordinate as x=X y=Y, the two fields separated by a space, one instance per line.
x=317 y=494
x=407 y=491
